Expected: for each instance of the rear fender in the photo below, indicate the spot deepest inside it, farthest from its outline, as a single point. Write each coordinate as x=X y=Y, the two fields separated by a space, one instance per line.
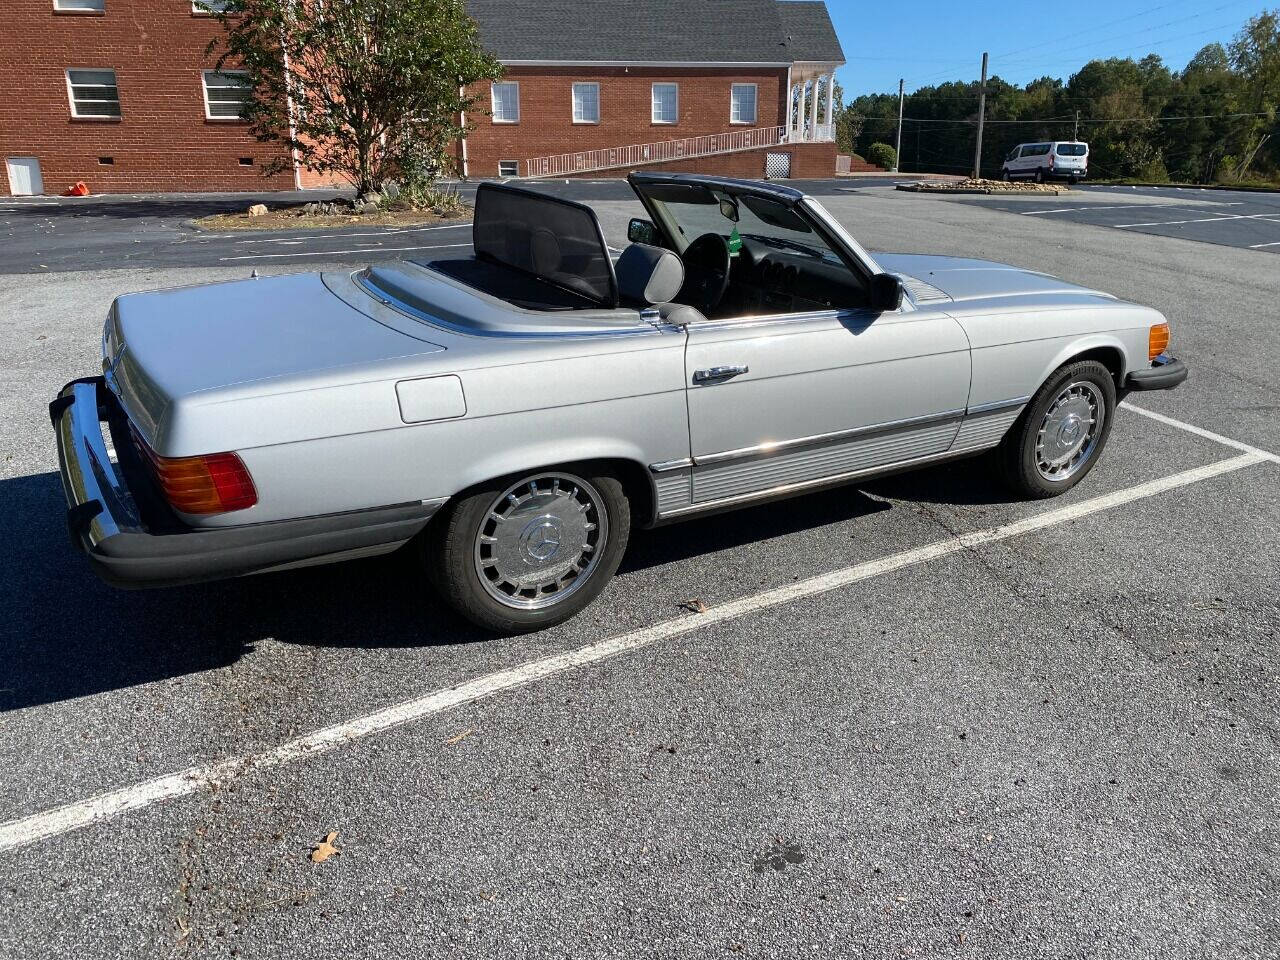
x=541 y=455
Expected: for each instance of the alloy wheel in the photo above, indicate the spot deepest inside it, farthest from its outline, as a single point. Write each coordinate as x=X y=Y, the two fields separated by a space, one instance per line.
x=540 y=540
x=1070 y=429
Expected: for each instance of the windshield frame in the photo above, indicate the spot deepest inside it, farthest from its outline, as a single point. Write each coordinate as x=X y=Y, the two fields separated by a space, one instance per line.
x=812 y=214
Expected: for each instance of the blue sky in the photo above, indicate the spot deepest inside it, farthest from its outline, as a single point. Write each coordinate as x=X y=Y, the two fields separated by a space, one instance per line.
x=931 y=42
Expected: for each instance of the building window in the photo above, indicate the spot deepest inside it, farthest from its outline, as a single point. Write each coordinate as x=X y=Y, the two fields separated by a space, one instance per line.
x=506 y=102
x=666 y=102
x=586 y=103
x=81 y=6
x=742 y=103
x=93 y=93
x=508 y=168
x=211 y=6
x=225 y=94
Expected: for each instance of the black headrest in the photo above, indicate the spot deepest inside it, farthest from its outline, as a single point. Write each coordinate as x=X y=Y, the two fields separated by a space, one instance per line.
x=649 y=274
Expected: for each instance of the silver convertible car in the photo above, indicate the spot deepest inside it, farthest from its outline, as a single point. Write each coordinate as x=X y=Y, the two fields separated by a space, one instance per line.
x=513 y=413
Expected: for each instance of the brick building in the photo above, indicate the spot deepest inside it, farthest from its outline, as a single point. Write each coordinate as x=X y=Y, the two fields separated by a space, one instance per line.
x=120 y=94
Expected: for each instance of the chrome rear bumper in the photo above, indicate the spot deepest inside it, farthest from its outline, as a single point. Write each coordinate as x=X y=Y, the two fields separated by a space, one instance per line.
x=115 y=517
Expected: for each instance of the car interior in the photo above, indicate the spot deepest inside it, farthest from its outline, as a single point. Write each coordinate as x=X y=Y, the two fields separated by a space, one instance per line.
x=710 y=253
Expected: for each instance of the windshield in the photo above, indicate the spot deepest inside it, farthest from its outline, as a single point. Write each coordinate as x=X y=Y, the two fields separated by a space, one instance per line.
x=691 y=210
x=1072 y=149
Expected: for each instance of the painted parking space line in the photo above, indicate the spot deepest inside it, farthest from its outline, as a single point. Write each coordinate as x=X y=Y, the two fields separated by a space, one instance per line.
x=1088 y=207
x=326 y=253
x=342 y=236
x=1171 y=223
x=106 y=806
x=1259 y=246
x=1202 y=432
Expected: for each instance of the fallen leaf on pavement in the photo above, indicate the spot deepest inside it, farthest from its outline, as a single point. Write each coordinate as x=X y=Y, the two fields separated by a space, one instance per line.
x=456 y=738
x=326 y=849
x=694 y=606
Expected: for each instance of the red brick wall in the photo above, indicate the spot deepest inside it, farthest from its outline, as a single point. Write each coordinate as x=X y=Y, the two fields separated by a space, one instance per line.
x=809 y=161
x=162 y=142
x=546 y=124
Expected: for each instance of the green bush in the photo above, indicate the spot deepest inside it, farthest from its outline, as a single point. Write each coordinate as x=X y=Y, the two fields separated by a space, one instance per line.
x=1153 y=171
x=882 y=155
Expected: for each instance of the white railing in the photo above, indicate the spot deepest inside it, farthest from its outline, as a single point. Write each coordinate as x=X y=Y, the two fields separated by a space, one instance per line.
x=664 y=151
x=814 y=133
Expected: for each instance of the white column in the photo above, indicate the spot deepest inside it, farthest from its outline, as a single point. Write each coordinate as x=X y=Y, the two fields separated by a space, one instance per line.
x=831 y=98
x=813 y=110
x=804 y=89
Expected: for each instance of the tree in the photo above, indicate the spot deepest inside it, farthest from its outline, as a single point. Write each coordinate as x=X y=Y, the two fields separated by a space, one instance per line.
x=1255 y=54
x=368 y=89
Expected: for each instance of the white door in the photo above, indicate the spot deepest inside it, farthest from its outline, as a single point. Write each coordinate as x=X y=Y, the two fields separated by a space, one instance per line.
x=803 y=397
x=24 y=176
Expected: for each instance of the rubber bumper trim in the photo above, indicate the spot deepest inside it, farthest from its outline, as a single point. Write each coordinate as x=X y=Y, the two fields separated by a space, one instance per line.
x=1160 y=376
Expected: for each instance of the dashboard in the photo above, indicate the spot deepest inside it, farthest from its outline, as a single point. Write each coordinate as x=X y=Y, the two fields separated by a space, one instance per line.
x=765 y=279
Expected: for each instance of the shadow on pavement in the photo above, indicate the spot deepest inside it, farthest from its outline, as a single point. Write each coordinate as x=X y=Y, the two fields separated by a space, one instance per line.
x=972 y=481
x=64 y=634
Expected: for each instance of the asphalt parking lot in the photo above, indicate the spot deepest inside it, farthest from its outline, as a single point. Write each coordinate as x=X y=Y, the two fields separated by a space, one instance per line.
x=917 y=718
x=1232 y=218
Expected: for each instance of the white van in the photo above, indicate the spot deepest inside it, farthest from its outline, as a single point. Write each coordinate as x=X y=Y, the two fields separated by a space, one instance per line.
x=1057 y=159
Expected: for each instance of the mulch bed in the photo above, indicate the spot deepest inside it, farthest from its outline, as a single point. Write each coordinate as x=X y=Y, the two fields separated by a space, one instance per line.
x=983 y=186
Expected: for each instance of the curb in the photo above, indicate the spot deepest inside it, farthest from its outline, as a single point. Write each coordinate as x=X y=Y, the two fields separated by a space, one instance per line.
x=915 y=188
x=1194 y=186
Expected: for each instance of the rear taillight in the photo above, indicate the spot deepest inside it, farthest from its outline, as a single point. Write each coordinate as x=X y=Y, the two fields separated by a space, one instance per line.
x=210 y=483
x=1157 y=340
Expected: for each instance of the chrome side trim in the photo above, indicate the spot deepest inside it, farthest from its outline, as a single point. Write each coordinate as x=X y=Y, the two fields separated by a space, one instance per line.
x=768 y=449
x=997 y=405
x=815 y=484
x=666 y=466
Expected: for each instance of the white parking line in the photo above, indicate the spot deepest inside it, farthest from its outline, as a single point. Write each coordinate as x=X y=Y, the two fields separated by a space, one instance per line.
x=1171 y=223
x=1259 y=246
x=105 y=806
x=1202 y=432
x=325 y=253
x=1119 y=206
x=343 y=236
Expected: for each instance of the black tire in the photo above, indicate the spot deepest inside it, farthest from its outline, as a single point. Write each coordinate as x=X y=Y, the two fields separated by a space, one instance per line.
x=1018 y=455
x=1040 y=176
x=453 y=553
x=1004 y=175
x=1073 y=180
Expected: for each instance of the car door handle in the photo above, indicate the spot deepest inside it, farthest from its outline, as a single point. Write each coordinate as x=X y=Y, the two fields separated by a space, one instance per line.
x=720 y=374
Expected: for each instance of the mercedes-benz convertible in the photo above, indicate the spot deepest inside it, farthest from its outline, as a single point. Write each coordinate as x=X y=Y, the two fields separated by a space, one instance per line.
x=511 y=414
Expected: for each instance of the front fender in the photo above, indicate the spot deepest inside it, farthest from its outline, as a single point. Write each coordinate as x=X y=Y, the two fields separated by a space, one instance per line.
x=1088 y=343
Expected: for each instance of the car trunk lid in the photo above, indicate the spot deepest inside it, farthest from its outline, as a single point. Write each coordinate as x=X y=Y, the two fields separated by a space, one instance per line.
x=170 y=346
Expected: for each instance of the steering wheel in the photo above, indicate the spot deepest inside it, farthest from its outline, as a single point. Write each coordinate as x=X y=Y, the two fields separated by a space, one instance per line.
x=706 y=272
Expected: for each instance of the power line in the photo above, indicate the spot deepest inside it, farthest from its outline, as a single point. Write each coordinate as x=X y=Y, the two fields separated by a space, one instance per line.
x=1069 y=119
x=1016 y=61
x=1134 y=33
x=1096 y=26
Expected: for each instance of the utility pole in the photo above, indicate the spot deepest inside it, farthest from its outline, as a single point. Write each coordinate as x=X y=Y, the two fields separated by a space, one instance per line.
x=897 y=155
x=982 y=115
x=1075 y=131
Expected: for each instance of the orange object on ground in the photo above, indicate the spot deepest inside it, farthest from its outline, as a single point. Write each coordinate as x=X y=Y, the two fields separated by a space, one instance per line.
x=79 y=190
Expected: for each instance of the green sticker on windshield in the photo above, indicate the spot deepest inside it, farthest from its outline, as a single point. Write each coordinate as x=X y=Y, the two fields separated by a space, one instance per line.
x=735 y=241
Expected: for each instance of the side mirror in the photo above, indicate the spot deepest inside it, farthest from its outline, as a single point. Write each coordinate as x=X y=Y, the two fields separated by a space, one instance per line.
x=642 y=231
x=886 y=292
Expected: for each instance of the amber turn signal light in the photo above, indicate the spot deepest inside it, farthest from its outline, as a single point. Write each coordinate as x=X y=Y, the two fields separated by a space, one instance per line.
x=211 y=483
x=1158 y=340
